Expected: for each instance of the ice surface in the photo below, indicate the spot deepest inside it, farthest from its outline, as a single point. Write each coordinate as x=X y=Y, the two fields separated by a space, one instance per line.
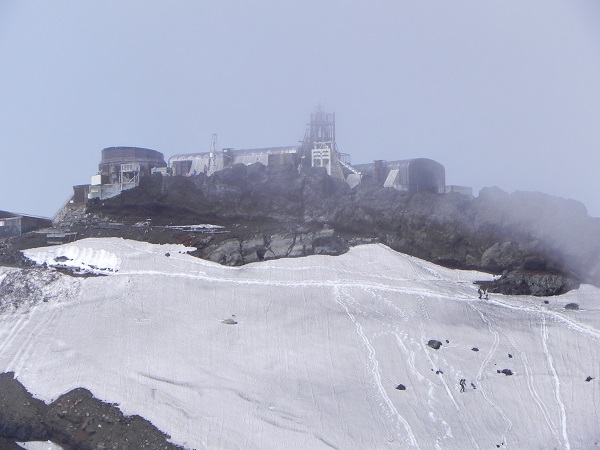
x=320 y=346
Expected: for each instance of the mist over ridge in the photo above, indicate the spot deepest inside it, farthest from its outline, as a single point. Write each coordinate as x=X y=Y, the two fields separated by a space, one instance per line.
x=497 y=232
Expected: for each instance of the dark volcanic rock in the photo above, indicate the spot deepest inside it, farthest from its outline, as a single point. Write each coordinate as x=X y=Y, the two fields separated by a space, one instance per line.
x=21 y=415
x=434 y=344
x=522 y=282
x=524 y=233
x=76 y=420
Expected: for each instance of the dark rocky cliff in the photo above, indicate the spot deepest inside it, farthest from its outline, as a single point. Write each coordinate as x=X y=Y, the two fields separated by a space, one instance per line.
x=278 y=212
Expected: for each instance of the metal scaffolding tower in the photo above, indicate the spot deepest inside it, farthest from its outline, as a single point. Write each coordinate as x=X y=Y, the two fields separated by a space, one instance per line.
x=319 y=148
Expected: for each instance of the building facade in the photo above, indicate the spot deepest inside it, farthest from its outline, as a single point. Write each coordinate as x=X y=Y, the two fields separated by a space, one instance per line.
x=12 y=224
x=120 y=169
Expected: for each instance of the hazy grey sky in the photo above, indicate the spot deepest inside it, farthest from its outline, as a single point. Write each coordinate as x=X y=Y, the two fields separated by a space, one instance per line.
x=502 y=93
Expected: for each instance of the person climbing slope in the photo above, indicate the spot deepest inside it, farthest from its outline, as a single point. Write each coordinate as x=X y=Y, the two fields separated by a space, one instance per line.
x=462 y=383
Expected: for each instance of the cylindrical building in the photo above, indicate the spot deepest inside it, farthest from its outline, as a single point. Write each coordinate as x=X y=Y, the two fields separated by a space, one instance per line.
x=141 y=160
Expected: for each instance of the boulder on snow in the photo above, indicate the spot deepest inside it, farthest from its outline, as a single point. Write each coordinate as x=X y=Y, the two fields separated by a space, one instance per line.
x=229 y=322
x=401 y=387
x=506 y=372
x=539 y=284
x=589 y=378
x=434 y=344
x=475 y=349
x=572 y=306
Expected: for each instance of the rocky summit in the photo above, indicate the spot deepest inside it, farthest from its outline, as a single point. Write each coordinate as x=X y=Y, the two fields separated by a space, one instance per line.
x=536 y=244
x=539 y=244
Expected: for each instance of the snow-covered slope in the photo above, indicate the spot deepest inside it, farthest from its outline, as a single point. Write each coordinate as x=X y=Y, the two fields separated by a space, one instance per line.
x=320 y=346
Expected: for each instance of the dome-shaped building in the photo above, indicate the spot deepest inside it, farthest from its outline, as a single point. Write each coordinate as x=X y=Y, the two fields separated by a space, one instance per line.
x=129 y=160
x=120 y=169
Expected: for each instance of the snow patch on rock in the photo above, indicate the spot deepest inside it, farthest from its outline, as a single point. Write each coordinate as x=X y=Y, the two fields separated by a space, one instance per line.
x=96 y=256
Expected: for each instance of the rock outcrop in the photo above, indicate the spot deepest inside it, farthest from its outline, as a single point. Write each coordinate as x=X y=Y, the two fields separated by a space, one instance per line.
x=274 y=212
x=76 y=420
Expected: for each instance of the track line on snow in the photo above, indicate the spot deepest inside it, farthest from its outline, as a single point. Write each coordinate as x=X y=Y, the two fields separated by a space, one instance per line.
x=293 y=283
x=410 y=359
x=375 y=370
x=480 y=372
x=20 y=359
x=537 y=398
x=449 y=392
x=558 y=317
x=427 y=318
x=14 y=330
x=533 y=391
x=563 y=413
x=494 y=347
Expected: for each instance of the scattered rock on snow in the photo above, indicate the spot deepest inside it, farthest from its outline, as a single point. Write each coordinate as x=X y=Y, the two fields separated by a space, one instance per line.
x=229 y=322
x=434 y=344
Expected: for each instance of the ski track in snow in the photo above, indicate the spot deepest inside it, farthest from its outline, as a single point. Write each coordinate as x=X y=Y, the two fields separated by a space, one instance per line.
x=531 y=386
x=541 y=405
x=410 y=359
x=556 y=380
x=21 y=360
x=292 y=284
x=337 y=283
x=379 y=312
x=485 y=362
x=555 y=315
x=410 y=438
x=427 y=319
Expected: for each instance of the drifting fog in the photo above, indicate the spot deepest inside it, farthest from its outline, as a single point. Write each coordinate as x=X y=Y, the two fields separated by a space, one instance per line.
x=502 y=94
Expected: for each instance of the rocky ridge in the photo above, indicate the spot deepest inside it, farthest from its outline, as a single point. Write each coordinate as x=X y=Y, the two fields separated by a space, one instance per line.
x=536 y=243
x=547 y=244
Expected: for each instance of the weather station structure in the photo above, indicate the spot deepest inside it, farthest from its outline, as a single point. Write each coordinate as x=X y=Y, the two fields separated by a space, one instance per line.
x=15 y=224
x=207 y=163
x=121 y=168
x=319 y=145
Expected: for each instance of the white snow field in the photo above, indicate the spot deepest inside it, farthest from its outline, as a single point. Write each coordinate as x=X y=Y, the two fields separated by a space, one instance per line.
x=320 y=346
x=38 y=445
